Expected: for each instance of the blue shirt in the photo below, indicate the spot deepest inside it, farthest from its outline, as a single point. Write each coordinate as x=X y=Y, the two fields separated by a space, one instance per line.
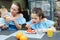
x=3 y=21
x=45 y=24
x=20 y=20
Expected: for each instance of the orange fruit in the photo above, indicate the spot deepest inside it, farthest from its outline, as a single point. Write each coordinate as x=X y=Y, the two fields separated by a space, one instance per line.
x=18 y=35
x=23 y=37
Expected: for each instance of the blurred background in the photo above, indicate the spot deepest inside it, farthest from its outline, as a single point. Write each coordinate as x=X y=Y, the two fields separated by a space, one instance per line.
x=51 y=8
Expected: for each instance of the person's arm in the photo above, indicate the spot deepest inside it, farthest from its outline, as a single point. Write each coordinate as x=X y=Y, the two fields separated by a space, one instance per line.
x=48 y=25
x=28 y=24
x=45 y=30
x=53 y=28
x=3 y=23
x=4 y=27
x=7 y=18
x=17 y=25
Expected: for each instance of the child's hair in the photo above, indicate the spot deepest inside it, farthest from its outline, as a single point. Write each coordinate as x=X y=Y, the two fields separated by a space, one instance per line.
x=18 y=4
x=38 y=11
x=4 y=10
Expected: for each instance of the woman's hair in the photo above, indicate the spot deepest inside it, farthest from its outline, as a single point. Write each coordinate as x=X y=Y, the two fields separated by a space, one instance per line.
x=0 y=12
x=18 y=4
x=38 y=11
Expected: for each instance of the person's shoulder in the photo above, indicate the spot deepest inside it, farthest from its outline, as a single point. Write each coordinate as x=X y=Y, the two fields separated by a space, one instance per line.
x=44 y=20
x=29 y=22
x=21 y=15
x=1 y=18
x=49 y=21
x=9 y=13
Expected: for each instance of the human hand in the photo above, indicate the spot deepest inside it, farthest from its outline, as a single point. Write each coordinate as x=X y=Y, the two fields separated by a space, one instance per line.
x=1 y=25
x=28 y=26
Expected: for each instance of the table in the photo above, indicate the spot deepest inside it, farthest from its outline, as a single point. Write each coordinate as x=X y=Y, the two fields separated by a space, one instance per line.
x=56 y=36
x=10 y=35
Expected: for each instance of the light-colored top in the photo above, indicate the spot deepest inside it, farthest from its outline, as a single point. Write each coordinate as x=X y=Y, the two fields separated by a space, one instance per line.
x=45 y=24
x=3 y=21
x=20 y=20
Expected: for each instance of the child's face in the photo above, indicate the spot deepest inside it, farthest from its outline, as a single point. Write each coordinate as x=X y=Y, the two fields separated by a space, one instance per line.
x=35 y=18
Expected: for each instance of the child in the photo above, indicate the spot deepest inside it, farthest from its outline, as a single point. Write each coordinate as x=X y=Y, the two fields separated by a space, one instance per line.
x=38 y=21
x=4 y=11
x=3 y=24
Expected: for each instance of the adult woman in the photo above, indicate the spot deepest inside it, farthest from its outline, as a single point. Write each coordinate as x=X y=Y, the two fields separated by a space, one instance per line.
x=15 y=19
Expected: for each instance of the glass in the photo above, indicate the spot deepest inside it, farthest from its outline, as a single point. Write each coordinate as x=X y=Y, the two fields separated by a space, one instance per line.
x=50 y=33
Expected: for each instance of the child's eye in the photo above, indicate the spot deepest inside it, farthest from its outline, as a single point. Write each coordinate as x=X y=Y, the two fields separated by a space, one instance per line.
x=33 y=18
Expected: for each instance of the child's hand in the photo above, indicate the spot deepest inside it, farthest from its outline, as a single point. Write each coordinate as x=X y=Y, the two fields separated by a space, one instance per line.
x=10 y=19
x=28 y=26
x=4 y=27
x=7 y=18
x=1 y=25
x=13 y=19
